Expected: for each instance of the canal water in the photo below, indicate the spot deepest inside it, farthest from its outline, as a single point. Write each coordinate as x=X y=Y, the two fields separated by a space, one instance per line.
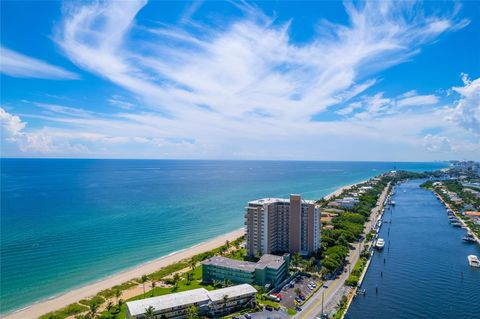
x=423 y=270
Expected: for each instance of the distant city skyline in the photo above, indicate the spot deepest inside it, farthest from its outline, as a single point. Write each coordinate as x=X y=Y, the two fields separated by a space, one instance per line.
x=370 y=81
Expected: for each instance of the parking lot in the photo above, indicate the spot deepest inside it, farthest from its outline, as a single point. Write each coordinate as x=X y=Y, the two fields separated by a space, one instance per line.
x=302 y=282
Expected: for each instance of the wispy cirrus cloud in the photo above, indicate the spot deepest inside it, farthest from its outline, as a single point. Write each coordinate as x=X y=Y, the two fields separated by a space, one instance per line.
x=378 y=105
x=248 y=65
x=418 y=100
x=18 y=65
x=244 y=88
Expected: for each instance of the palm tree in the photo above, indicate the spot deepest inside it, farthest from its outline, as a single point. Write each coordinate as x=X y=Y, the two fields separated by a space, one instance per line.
x=120 y=303
x=298 y=291
x=176 y=280
x=225 y=299
x=192 y=312
x=118 y=294
x=144 y=280
x=93 y=309
x=109 y=306
x=189 y=277
x=312 y=263
x=296 y=259
x=227 y=244
x=236 y=244
x=150 y=312
x=193 y=263
x=153 y=287
x=216 y=283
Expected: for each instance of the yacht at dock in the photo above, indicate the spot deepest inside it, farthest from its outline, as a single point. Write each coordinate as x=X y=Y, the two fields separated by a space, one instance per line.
x=473 y=261
x=380 y=243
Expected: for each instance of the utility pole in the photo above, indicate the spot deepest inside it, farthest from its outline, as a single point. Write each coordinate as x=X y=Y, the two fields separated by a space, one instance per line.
x=323 y=294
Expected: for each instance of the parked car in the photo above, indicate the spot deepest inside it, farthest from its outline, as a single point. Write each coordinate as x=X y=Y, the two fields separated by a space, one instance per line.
x=269 y=308
x=247 y=316
x=279 y=296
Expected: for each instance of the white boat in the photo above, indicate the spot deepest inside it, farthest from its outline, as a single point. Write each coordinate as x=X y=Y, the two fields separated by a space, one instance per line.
x=473 y=261
x=380 y=243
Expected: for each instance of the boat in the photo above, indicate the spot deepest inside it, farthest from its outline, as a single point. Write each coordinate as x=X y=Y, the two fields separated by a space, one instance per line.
x=380 y=243
x=469 y=237
x=473 y=261
x=361 y=292
x=456 y=224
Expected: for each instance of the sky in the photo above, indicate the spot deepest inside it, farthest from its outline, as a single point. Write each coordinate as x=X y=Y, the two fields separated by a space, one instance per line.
x=312 y=80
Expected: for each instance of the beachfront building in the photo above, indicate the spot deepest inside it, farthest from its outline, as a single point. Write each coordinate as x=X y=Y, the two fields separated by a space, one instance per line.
x=269 y=270
x=348 y=202
x=277 y=225
x=213 y=304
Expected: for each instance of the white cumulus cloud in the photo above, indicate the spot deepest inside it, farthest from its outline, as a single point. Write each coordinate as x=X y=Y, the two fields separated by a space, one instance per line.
x=466 y=112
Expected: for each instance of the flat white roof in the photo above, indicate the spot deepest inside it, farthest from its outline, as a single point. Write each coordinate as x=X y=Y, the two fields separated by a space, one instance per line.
x=138 y=307
x=277 y=200
x=231 y=292
x=200 y=295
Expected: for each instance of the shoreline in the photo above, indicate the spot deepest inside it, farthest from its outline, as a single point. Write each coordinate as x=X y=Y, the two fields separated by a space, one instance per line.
x=61 y=300
x=456 y=213
x=343 y=188
x=74 y=295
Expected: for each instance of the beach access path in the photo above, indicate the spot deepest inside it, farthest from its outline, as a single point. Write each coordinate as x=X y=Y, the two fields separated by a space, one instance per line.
x=73 y=296
x=335 y=289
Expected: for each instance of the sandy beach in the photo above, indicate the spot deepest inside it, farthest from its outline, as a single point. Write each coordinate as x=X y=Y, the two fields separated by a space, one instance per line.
x=45 y=306
x=341 y=189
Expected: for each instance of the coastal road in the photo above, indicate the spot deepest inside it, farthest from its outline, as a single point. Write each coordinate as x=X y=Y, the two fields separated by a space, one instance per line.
x=335 y=288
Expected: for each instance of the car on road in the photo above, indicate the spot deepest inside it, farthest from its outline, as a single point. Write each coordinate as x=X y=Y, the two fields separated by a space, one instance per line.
x=247 y=316
x=325 y=286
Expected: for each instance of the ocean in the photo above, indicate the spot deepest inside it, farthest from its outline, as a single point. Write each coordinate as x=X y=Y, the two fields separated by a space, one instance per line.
x=69 y=222
x=422 y=271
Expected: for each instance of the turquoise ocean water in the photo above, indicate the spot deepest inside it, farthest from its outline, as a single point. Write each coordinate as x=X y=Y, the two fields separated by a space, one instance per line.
x=66 y=222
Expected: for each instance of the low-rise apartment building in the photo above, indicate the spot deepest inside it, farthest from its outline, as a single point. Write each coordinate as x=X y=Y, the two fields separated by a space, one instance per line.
x=270 y=269
x=212 y=304
x=277 y=225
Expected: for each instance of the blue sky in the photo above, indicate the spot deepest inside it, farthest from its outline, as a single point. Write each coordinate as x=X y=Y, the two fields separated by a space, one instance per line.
x=313 y=80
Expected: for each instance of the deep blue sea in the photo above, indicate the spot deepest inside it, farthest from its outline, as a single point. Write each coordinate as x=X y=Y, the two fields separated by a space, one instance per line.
x=424 y=264
x=68 y=222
